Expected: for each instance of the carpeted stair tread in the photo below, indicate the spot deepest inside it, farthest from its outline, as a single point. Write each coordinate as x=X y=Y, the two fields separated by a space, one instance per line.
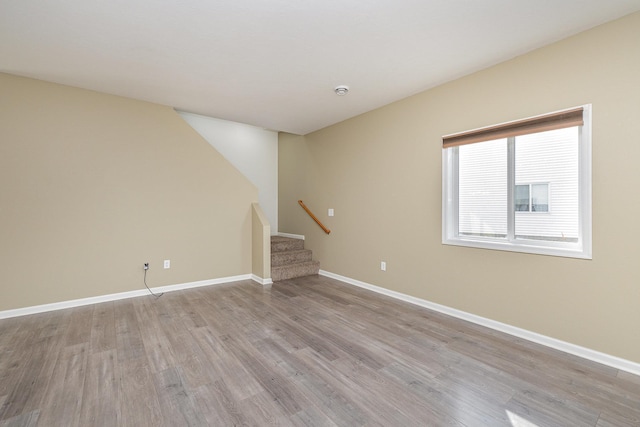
x=290 y=257
x=281 y=244
x=291 y=271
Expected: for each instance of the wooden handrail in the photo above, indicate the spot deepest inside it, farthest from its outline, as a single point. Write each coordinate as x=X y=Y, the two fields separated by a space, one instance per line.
x=326 y=230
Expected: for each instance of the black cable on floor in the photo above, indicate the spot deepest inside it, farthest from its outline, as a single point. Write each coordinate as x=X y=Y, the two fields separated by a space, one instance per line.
x=145 y=283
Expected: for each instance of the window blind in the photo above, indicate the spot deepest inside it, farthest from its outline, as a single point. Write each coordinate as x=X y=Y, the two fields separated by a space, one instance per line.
x=546 y=122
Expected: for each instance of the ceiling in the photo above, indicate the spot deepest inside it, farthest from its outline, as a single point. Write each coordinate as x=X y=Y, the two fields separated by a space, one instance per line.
x=275 y=63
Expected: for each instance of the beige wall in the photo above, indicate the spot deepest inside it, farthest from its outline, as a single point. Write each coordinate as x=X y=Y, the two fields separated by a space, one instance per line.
x=93 y=185
x=260 y=243
x=381 y=172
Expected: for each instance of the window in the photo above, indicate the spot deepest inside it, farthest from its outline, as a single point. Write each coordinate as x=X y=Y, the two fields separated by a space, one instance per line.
x=532 y=198
x=522 y=186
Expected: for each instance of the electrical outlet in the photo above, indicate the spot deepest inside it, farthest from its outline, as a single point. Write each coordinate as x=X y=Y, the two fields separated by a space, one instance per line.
x=330 y=212
x=167 y=263
x=383 y=266
x=146 y=265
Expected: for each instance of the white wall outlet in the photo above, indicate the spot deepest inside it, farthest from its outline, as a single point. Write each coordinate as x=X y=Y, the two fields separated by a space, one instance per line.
x=167 y=263
x=330 y=212
x=383 y=266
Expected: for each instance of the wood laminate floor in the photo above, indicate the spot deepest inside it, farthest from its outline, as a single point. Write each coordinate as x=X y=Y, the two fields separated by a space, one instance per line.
x=307 y=352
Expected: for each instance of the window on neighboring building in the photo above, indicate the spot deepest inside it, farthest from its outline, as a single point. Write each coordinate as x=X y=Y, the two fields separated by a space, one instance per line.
x=532 y=198
x=521 y=186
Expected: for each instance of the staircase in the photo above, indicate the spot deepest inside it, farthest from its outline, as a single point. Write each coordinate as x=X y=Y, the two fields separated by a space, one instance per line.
x=289 y=259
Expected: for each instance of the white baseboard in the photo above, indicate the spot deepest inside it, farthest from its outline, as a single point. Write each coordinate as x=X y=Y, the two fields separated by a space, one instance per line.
x=576 y=350
x=262 y=281
x=114 y=297
x=293 y=236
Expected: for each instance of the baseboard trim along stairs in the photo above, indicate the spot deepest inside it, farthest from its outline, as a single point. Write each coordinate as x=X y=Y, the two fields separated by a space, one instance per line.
x=289 y=259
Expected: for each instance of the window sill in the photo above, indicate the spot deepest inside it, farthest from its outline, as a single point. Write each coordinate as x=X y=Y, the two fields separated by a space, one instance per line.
x=560 y=249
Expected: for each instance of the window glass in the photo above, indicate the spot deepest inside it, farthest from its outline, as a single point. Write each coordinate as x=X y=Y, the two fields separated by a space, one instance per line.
x=483 y=189
x=522 y=198
x=539 y=198
x=549 y=159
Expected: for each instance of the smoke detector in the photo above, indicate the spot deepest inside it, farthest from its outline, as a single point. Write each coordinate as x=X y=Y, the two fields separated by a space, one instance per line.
x=341 y=90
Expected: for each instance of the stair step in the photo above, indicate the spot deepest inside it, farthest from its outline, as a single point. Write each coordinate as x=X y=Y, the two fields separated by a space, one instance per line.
x=290 y=271
x=281 y=244
x=290 y=257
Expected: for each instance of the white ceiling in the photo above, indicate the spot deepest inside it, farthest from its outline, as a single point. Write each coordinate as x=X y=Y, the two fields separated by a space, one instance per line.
x=274 y=63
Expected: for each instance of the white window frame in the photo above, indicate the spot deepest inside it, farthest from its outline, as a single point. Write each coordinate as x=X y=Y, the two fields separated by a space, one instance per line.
x=450 y=213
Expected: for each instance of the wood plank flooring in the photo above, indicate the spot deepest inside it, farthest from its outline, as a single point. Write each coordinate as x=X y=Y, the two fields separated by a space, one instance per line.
x=306 y=352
